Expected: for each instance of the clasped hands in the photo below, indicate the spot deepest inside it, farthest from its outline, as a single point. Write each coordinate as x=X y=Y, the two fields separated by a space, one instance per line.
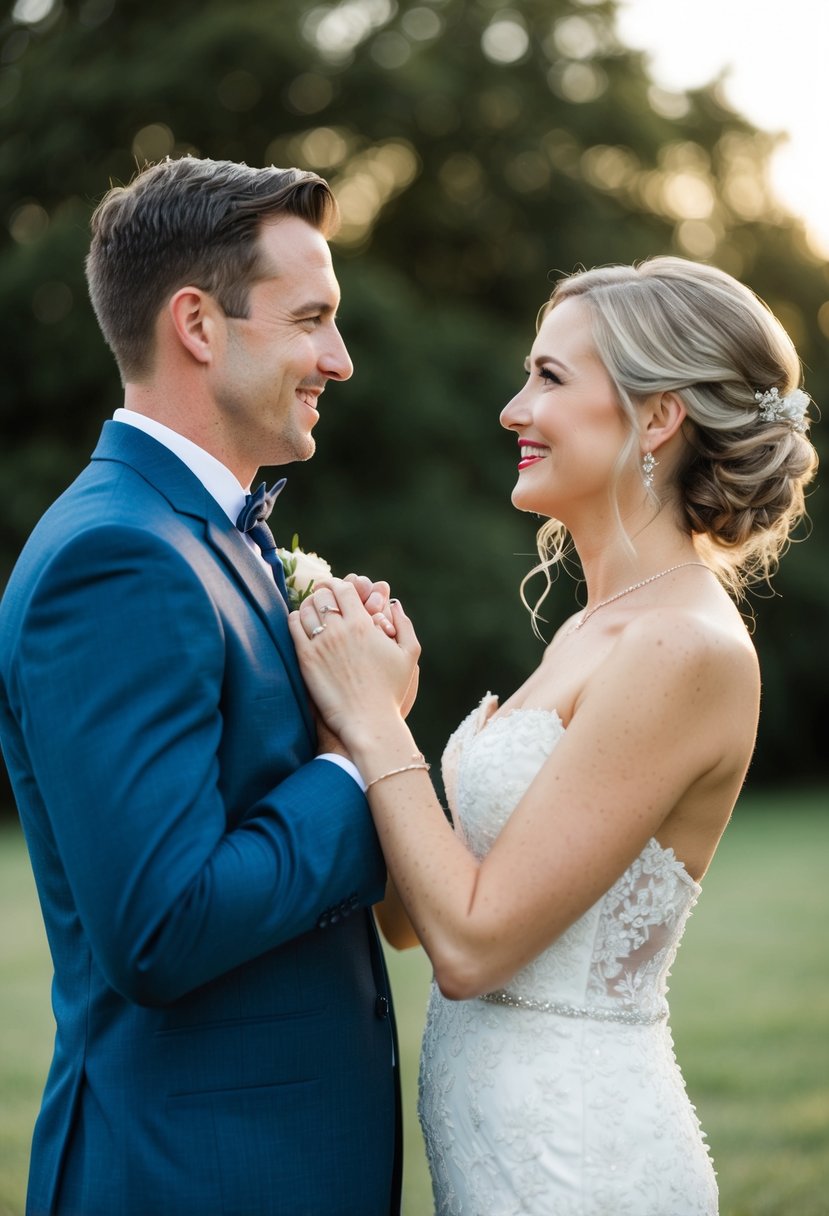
x=359 y=656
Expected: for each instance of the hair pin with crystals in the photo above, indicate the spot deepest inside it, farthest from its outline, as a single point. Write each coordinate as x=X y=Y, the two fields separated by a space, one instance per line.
x=791 y=408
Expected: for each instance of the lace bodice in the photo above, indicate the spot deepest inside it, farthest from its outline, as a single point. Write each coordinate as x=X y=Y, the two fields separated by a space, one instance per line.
x=614 y=961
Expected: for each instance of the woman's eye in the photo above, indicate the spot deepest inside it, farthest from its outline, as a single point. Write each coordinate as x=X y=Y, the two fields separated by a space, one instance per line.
x=546 y=374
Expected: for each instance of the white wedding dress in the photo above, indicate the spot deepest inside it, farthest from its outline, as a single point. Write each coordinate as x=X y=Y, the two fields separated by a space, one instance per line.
x=560 y=1096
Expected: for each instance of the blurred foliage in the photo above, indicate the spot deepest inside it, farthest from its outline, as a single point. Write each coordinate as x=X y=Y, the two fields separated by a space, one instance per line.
x=476 y=150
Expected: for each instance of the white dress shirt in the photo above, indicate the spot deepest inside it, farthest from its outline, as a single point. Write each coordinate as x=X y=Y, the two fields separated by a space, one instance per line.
x=229 y=493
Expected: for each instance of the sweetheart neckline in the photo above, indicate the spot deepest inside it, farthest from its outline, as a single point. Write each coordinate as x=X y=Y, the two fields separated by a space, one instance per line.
x=666 y=850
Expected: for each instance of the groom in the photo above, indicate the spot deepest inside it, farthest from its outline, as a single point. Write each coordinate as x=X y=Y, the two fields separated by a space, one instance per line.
x=225 y=1045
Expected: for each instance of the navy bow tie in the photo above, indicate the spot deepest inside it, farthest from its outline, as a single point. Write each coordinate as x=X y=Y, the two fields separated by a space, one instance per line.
x=252 y=521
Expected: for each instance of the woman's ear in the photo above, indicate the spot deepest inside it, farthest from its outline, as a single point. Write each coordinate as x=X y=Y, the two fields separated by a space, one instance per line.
x=663 y=415
x=192 y=315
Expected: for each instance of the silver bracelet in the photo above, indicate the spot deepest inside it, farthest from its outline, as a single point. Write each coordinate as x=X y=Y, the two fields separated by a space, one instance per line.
x=419 y=763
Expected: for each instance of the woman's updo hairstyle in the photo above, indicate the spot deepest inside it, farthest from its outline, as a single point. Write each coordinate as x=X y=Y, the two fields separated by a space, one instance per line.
x=671 y=324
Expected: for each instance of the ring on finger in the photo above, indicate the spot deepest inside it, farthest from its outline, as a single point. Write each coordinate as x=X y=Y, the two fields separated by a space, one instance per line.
x=329 y=608
x=316 y=630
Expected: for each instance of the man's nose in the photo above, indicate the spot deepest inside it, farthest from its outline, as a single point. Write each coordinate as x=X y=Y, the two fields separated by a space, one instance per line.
x=335 y=361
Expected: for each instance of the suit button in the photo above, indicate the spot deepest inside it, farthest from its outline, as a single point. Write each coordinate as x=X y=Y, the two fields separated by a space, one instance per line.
x=381 y=1007
x=324 y=921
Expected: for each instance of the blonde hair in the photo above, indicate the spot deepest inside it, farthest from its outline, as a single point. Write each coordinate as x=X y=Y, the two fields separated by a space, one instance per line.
x=669 y=324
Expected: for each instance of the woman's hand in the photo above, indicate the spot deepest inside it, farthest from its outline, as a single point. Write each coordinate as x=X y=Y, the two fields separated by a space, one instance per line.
x=375 y=599
x=356 y=674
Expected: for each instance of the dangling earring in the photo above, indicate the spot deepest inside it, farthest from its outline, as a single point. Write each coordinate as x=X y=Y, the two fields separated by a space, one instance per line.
x=649 y=463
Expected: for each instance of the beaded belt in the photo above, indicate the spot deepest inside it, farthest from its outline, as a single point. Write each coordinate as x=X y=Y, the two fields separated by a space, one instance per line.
x=627 y=1016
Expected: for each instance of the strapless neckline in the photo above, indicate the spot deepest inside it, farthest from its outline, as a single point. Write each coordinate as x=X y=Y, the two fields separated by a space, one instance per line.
x=485 y=721
x=501 y=715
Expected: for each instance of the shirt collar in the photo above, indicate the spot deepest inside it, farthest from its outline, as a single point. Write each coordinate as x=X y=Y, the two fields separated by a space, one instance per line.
x=216 y=478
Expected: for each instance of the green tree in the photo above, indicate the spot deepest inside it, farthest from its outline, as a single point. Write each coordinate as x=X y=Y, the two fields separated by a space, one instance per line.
x=476 y=152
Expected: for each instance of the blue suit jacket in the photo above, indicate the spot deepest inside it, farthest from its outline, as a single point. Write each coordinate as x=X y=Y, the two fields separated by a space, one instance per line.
x=224 y=1037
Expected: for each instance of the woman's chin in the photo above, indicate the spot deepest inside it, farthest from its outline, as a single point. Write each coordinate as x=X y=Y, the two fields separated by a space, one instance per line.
x=523 y=500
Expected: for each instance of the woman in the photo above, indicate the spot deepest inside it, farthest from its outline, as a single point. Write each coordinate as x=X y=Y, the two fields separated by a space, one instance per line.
x=661 y=429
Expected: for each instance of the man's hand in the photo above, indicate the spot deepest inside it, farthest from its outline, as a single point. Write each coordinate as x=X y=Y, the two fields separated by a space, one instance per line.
x=327 y=741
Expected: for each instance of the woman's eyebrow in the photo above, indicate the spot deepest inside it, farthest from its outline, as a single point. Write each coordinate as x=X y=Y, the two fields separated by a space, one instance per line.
x=541 y=360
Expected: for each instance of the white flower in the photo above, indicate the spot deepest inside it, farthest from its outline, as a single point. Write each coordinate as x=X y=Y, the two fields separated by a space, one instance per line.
x=302 y=571
x=791 y=408
x=309 y=566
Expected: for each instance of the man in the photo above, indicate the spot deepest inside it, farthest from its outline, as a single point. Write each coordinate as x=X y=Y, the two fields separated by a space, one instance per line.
x=224 y=1036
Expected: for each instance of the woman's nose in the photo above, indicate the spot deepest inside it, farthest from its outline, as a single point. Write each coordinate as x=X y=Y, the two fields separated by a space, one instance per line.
x=516 y=412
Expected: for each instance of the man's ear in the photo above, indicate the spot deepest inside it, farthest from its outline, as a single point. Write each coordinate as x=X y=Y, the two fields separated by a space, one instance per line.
x=193 y=316
x=663 y=416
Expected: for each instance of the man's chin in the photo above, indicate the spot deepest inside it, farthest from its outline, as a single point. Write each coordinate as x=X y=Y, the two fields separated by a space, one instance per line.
x=297 y=453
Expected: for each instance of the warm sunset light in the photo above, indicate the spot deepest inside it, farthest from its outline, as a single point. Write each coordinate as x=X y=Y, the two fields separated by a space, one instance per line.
x=772 y=60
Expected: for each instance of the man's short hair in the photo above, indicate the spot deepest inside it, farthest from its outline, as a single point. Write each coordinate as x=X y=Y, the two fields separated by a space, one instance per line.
x=187 y=222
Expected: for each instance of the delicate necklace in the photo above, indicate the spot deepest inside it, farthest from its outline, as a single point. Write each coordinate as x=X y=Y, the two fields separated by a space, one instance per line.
x=585 y=617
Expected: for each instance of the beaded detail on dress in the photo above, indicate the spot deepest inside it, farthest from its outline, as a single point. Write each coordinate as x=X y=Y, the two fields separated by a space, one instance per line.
x=559 y=1095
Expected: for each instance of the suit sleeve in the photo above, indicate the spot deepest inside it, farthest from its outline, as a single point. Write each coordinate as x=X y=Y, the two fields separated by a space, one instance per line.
x=121 y=661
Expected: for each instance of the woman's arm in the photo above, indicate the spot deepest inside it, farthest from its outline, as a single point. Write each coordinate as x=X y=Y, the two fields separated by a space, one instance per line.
x=666 y=710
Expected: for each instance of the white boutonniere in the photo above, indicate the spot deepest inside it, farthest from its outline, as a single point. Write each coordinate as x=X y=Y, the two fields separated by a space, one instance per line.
x=301 y=571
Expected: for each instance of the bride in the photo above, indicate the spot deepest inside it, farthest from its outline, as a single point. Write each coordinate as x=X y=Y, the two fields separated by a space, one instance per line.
x=662 y=431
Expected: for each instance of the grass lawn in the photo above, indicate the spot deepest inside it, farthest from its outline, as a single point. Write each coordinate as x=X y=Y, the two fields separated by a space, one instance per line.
x=750 y=1012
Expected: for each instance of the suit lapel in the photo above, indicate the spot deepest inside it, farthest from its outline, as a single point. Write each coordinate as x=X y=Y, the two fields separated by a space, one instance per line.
x=260 y=587
x=187 y=496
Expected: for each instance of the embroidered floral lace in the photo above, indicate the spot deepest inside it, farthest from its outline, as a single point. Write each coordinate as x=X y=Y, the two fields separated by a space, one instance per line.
x=560 y=1094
